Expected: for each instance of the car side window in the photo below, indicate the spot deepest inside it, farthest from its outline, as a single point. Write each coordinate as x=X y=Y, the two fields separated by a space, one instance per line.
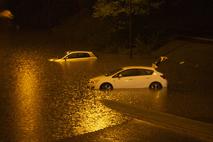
x=130 y=72
x=73 y=55
x=83 y=55
x=134 y=72
x=78 y=55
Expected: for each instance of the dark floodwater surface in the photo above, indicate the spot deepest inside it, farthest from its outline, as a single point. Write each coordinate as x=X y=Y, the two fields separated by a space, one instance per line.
x=47 y=101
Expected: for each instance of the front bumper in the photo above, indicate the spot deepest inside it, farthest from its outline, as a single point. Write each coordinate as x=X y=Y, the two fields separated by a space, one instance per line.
x=91 y=85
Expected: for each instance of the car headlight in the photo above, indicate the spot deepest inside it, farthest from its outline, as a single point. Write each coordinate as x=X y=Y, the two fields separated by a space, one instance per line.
x=91 y=81
x=94 y=81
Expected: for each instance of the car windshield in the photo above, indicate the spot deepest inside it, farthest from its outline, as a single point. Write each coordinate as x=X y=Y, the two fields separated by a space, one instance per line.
x=113 y=72
x=64 y=57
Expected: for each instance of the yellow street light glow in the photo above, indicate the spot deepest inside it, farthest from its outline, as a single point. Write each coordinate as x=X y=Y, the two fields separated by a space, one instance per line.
x=26 y=101
x=6 y=14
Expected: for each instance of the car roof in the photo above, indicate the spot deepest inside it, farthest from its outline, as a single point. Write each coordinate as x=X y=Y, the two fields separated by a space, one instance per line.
x=79 y=51
x=138 y=67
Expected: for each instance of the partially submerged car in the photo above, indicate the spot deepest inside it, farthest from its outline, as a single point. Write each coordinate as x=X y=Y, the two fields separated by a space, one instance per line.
x=130 y=77
x=76 y=56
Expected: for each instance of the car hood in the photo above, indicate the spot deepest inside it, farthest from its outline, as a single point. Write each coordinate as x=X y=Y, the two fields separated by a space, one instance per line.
x=98 y=77
x=54 y=59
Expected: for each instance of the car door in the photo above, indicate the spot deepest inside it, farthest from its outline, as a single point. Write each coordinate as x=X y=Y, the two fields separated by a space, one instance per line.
x=144 y=78
x=126 y=79
x=71 y=56
x=83 y=56
x=132 y=78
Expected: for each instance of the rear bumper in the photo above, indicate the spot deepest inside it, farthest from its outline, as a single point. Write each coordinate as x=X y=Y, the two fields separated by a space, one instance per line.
x=165 y=83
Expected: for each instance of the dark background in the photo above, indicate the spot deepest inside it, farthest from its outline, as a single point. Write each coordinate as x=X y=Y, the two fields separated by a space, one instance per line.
x=177 y=14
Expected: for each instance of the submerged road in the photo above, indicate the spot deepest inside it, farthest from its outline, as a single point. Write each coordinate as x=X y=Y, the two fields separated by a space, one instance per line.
x=197 y=129
x=41 y=101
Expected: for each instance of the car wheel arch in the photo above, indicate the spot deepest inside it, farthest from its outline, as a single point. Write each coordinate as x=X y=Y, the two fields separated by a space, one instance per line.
x=155 y=85
x=103 y=83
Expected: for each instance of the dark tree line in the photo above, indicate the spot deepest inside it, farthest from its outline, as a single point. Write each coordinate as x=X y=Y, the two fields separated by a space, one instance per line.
x=174 y=13
x=44 y=13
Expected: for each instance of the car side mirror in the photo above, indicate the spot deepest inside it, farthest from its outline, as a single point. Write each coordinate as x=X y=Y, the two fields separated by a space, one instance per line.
x=120 y=75
x=117 y=76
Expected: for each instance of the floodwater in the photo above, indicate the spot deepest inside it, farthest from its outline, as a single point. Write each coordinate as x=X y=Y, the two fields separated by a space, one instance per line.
x=46 y=101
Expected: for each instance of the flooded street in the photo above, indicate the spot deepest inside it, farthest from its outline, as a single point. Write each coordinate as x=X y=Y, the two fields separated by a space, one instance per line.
x=46 y=101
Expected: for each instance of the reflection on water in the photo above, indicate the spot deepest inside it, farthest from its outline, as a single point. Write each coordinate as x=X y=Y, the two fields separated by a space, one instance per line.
x=26 y=97
x=86 y=116
x=146 y=98
x=94 y=116
x=50 y=100
x=84 y=112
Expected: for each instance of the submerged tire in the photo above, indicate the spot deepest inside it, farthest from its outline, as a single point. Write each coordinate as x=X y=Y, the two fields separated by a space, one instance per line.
x=106 y=86
x=155 y=86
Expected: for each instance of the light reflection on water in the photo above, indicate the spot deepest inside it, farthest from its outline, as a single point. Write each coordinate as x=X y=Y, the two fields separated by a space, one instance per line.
x=86 y=116
x=49 y=101
x=146 y=98
x=25 y=75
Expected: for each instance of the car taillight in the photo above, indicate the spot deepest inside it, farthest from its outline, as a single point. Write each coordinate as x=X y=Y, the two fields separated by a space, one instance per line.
x=163 y=76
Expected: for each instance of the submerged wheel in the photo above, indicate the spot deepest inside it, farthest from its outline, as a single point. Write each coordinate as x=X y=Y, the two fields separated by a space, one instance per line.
x=106 y=86
x=155 y=86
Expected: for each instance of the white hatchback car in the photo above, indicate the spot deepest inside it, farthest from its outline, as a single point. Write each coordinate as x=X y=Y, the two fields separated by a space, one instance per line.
x=76 y=56
x=129 y=77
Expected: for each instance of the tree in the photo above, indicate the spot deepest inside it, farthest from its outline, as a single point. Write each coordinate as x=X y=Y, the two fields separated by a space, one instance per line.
x=119 y=12
x=105 y=8
x=123 y=13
